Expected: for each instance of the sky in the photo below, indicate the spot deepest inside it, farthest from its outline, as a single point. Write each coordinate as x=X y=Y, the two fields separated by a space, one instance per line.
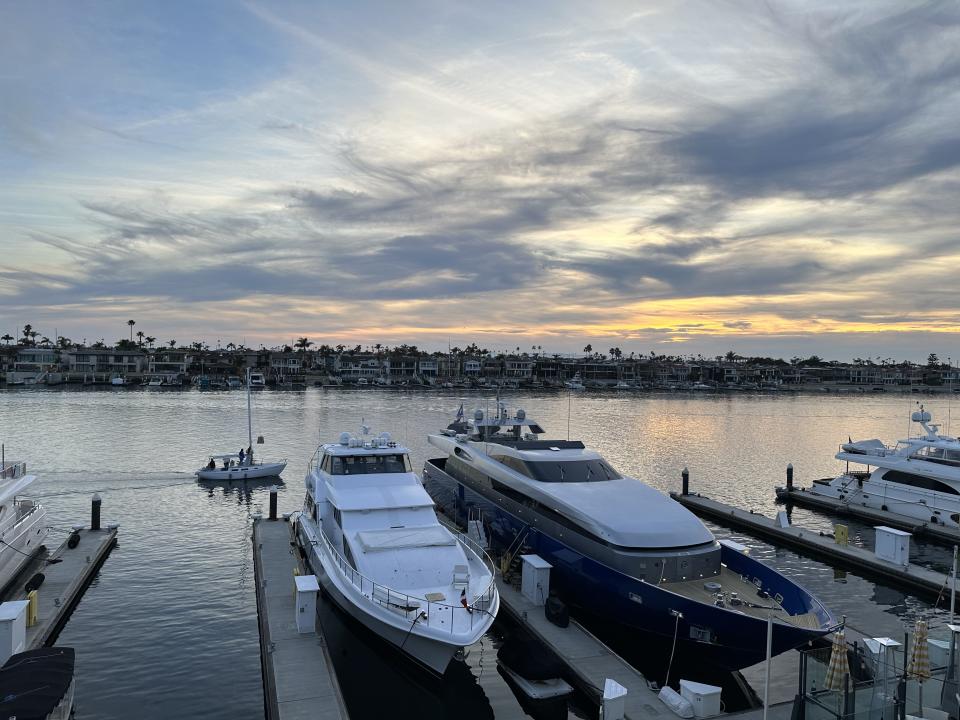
x=772 y=178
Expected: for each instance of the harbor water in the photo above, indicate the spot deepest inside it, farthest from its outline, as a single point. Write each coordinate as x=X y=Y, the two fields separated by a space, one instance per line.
x=169 y=627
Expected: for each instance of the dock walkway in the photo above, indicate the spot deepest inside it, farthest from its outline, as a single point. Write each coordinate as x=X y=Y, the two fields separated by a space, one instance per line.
x=589 y=659
x=66 y=579
x=927 y=530
x=299 y=681
x=913 y=577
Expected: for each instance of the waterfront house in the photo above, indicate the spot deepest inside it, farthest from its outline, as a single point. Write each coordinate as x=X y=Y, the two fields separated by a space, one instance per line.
x=103 y=360
x=169 y=362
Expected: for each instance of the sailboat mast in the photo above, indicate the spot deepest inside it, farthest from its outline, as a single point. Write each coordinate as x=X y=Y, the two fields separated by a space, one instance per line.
x=249 y=420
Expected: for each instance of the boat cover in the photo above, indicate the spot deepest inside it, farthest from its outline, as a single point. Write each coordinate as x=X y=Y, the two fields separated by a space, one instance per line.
x=865 y=447
x=397 y=538
x=379 y=497
x=33 y=683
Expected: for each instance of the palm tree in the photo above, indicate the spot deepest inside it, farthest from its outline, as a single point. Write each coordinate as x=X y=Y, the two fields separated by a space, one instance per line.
x=140 y=338
x=150 y=341
x=172 y=344
x=27 y=329
x=303 y=343
x=231 y=346
x=7 y=338
x=588 y=349
x=131 y=323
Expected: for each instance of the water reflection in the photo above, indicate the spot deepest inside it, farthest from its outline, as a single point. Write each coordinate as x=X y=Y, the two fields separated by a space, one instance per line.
x=172 y=615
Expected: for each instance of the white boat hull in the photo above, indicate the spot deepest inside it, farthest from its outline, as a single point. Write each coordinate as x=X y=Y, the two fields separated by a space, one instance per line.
x=927 y=506
x=21 y=542
x=431 y=652
x=242 y=472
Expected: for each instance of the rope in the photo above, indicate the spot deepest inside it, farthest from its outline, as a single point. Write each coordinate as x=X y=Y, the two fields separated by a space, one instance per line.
x=676 y=631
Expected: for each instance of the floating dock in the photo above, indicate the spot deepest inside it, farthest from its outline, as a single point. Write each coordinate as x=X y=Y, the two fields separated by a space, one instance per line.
x=927 y=530
x=299 y=681
x=68 y=573
x=811 y=542
x=591 y=662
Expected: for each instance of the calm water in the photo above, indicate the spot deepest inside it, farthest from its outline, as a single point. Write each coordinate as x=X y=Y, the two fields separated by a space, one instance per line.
x=169 y=627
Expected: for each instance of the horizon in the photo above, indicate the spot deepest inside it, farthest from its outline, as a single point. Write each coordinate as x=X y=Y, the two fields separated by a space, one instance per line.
x=693 y=179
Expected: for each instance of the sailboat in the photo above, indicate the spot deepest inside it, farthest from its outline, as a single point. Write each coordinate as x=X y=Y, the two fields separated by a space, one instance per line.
x=240 y=465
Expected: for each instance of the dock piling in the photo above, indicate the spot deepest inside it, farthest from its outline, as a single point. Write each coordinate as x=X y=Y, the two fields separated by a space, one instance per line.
x=273 y=502
x=790 y=477
x=95 y=512
x=686 y=481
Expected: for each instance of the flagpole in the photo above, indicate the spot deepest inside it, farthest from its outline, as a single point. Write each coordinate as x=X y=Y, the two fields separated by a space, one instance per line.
x=766 y=679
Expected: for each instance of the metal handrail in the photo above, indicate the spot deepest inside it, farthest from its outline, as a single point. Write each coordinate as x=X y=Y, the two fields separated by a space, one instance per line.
x=399 y=600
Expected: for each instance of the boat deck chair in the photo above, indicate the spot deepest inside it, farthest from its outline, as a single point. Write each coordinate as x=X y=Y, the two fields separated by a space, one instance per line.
x=461 y=576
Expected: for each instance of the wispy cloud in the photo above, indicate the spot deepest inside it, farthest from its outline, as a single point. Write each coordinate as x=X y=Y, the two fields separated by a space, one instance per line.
x=708 y=174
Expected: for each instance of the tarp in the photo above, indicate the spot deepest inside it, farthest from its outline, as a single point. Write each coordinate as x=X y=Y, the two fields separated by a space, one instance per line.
x=33 y=683
x=398 y=538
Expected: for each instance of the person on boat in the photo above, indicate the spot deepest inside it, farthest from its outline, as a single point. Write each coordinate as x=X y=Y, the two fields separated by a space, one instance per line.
x=211 y=465
x=241 y=454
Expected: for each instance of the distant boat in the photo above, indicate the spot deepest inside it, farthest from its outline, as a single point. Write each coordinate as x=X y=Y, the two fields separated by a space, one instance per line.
x=118 y=381
x=235 y=467
x=256 y=380
x=574 y=383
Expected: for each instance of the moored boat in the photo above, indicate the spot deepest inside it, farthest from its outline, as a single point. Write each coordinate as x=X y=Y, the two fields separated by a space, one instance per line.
x=918 y=477
x=23 y=528
x=620 y=550
x=372 y=537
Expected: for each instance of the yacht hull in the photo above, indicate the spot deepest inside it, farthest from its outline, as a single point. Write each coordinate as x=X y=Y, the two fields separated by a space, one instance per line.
x=433 y=655
x=718 y=636
x=250 y=472
x=927 y=506
x=21 y=542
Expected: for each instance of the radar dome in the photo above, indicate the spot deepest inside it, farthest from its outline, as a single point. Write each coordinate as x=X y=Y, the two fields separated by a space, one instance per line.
x=344 y=438
x=478 y=414
x=521 y=413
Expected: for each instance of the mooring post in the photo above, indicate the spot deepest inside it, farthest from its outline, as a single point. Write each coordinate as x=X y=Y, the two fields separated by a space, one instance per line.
x=686 y=481
x=95 y=512
x=790 y=477
x=273 y=502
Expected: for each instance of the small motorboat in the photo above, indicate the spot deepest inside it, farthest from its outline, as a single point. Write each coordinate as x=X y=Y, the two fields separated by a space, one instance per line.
x=574 y=383
x=38 y=684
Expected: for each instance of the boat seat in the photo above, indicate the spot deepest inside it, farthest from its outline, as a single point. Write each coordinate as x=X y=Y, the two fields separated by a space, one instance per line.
x=461 y=576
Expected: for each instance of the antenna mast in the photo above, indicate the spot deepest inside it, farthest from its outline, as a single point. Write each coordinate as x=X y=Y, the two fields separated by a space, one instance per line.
x=249 y=419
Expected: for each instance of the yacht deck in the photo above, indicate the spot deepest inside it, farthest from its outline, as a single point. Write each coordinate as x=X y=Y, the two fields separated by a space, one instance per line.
x=753 y=604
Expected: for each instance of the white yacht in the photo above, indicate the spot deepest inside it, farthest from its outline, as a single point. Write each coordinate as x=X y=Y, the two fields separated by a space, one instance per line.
x=23 y=528
x=918 y=477
x=256 y=380
x=372 y=537
x=574 y=383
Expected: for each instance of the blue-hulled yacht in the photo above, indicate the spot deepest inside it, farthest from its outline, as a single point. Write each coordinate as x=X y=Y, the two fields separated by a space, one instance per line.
x=620 y=549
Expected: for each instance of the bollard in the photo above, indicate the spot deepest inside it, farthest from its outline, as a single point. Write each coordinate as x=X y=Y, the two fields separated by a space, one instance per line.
x=273 y=503
x=686 y=481
x=790 y=477
x=33 y=608
x=95 y=512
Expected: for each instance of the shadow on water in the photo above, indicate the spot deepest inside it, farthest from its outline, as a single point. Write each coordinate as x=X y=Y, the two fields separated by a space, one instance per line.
x=377 y=680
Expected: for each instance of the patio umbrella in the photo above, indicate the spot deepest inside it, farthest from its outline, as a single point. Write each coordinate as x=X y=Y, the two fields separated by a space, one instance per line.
x=919 y=666
x=838 y=666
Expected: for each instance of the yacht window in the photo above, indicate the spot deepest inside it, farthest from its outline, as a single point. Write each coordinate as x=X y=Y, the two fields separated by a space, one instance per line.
x=338 y=518
x=571 y=471
x=938 y=455
x=918 y=481
x=325 y=465
x=371 y=464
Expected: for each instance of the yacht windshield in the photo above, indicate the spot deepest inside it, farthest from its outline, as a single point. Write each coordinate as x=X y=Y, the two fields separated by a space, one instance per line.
x=938 y=455
x=571 y=471
x=369 y=464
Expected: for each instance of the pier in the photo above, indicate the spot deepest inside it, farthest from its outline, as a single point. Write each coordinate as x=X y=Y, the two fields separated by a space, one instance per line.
x=299 y=681
x=811 y=542
x=68 y=573
x=927 y=530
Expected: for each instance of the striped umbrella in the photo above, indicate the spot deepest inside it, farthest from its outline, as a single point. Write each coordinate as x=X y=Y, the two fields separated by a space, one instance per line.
x=920 y=654
x=838 y=666
x=919 y=666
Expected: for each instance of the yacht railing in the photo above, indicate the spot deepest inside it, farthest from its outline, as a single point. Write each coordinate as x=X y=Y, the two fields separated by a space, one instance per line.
x=870 y=451
x=397 y=600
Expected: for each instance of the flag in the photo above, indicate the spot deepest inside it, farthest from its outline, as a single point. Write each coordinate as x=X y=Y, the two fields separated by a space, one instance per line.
x=463 y=600
x=460 y=413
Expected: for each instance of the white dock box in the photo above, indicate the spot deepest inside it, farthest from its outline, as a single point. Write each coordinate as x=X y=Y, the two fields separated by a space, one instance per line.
x=535 y=581
x=614 y=704
x=939 y=652
x=13 y=628
x=307 y=588
x=704 y=698
x=892 y=545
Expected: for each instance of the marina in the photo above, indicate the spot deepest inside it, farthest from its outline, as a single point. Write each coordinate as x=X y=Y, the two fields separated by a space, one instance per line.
x=229 y=505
